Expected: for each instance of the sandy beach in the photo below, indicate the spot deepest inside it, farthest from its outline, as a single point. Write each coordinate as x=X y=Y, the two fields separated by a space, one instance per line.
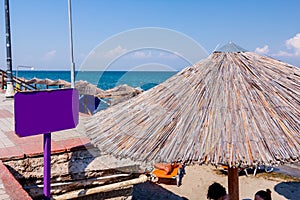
x=198 y=178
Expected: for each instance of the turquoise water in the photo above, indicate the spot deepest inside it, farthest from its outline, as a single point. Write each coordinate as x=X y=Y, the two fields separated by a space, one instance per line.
x=105 y=80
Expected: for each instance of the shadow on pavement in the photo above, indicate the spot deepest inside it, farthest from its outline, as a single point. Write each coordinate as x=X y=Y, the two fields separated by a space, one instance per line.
x=149 y=191
x=290 y=190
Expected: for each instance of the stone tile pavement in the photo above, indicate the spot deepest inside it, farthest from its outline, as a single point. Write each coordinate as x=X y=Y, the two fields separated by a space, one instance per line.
x=3 y=195
x=12 y=146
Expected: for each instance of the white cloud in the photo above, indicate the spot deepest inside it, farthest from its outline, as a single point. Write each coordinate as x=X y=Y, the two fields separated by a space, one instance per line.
x=146 y=54
x=263 y=50
x=292 y=44
x=284 y=54
x=142 y=54
x=49 y=55
x=169 y=55
x=115 y=52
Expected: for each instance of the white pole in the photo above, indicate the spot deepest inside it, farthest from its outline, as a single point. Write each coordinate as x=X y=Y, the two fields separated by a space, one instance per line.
x=71 y=46
x=9 y=93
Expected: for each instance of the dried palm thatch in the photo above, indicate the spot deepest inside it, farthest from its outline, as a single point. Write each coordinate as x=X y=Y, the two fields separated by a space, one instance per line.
x=235 y=108
x=119 y=94
x=45 y=81
x=87 y=88
x=61 y=82
x=33 y=81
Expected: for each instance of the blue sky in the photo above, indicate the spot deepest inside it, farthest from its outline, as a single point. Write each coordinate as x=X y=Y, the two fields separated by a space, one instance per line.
x=40 y=37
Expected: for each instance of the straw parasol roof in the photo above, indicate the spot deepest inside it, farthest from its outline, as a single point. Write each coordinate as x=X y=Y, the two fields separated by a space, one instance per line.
x=87 y=88
x=235 y=107
x=119 y=94
x=60 y=82
x=33 y=81
x=45 y=81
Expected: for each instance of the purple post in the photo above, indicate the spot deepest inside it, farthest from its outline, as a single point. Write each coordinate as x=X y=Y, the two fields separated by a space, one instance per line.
x=46 y=111
x=47 y=166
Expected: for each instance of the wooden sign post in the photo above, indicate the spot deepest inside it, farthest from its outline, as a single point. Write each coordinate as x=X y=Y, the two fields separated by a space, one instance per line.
x=43 y=112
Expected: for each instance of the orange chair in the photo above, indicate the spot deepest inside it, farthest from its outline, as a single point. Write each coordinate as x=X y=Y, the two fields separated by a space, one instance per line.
x=168 y=171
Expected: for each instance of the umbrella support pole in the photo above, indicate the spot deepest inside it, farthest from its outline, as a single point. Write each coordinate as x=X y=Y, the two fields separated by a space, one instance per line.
x=233 y=183
x=104 y=188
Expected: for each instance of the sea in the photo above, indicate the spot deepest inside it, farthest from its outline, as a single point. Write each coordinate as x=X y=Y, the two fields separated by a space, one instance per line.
x=104 y=79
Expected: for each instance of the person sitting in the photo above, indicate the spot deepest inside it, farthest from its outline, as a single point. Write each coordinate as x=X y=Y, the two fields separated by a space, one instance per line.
x=263 y=195
x=217 y=192
x=168 y=167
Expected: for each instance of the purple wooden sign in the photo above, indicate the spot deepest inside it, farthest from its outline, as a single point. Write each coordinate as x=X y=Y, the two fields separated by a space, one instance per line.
x=41 y=112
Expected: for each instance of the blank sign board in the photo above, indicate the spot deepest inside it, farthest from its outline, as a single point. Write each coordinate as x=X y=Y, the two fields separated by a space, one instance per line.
x=41 y=112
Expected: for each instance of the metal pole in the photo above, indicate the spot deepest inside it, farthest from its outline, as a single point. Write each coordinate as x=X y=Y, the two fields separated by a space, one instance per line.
x=71 y=46
x=47 y=166
x=9 y=82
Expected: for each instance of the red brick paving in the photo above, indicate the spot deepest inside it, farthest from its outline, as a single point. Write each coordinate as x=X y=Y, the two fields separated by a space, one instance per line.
x=10 y=152
x=71 y=143
x=23 y=140
x=56 y=147
x=5 y=113
x=12 y=187
x=85 y=140
x=32 y=149
x=33 y=145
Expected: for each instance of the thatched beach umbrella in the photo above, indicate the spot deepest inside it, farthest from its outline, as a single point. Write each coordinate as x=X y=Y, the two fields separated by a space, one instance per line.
x=86 y=88
x=46 y=81
x=119 y=94
x=235 y=107
x=33 y=81
x=60 y=82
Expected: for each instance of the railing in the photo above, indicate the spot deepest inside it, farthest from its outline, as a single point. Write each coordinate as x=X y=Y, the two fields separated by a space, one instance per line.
x=19 y=84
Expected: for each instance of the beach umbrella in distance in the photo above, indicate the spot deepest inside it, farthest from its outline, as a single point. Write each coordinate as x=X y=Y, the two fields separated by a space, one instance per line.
x=45 y=81
x=48 y=82
x=119 y=93
x=33 y=81
x=88 y=102
x=235 y=108
x=60 y=83
x=86 y=88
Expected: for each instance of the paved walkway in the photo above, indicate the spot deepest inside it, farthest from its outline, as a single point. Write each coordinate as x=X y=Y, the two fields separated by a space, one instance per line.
x=3 y=194
x=12 y=146
x=10 y=188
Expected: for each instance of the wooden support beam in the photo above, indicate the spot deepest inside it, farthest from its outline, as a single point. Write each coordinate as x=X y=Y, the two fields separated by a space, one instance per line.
x=233 y=183
x=105 y=188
